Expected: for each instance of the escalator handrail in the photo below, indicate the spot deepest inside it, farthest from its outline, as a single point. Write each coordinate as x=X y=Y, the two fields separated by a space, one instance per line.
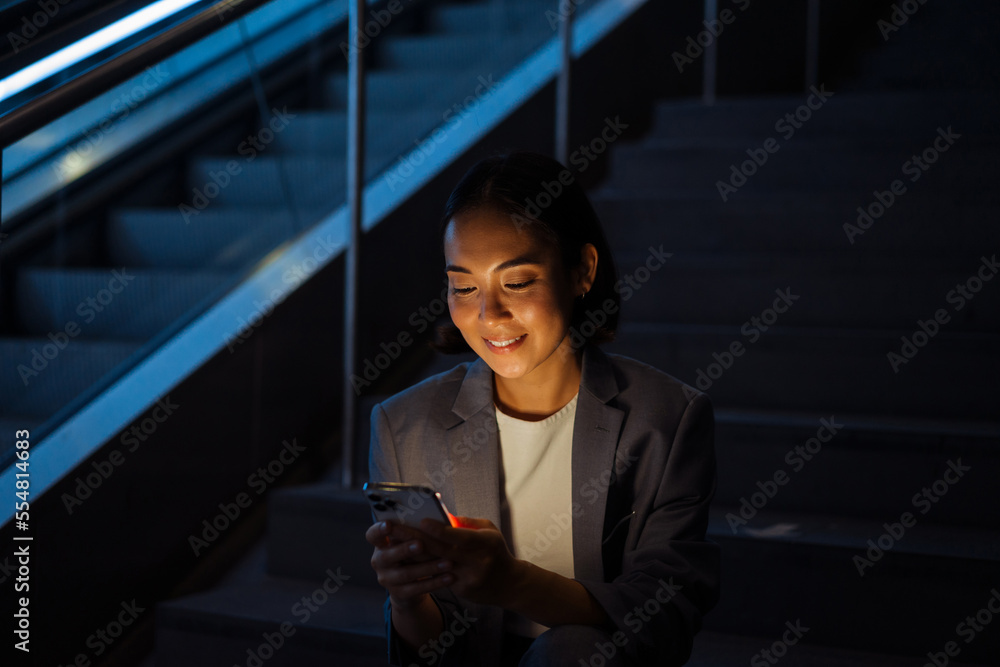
x=38 y=111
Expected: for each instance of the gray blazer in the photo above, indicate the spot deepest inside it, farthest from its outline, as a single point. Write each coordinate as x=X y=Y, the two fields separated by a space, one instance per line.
x=643 y=472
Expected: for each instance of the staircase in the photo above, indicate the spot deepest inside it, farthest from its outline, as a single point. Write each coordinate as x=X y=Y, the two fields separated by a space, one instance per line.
x=856 y=493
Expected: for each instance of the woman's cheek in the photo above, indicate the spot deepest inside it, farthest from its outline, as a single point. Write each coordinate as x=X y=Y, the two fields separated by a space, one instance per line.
x=540 y=312
x=460 y=312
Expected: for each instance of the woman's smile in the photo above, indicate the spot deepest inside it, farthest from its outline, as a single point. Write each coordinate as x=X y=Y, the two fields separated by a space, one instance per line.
x=504 y=345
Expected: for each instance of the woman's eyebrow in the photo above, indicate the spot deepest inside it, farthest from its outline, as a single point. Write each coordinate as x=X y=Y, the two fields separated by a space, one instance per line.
x=509 y=264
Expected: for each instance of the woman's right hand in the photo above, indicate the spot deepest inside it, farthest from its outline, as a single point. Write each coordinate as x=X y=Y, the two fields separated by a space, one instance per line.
x=402 y=565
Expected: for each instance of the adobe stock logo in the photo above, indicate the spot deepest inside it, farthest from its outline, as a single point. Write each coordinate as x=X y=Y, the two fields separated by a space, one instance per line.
x=696 y=45
x=796 y=458
x=901 y=14
x=752 y=330
x=915 y=168
x=926 y=330
x=923 y=500
x=786 y=126
x=31 y=27
x=42 y=356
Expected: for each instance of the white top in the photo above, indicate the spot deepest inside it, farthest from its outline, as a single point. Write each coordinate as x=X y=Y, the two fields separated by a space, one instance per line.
x=537 y=459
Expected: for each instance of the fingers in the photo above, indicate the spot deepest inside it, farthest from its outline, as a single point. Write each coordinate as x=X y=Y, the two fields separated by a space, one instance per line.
x=454 y=536
x=384 y=533
x=415 y=589
x=397 y=578
x=377 y=534
x=404 y=565
x=439 y=539
x=404 y=578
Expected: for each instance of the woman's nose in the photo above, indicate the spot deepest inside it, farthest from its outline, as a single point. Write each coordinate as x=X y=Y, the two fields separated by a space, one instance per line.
x=492 y=308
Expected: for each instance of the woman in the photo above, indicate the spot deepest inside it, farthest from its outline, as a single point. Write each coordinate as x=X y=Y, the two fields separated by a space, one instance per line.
x=582 y=479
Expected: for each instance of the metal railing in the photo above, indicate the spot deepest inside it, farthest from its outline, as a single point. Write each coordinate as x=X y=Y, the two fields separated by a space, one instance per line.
x=355 y=184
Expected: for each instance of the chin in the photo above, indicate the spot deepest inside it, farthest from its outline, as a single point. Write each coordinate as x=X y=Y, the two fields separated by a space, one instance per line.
x=504 y=368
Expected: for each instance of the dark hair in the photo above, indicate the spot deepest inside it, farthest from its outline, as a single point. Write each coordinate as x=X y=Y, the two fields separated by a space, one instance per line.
x=541 y=194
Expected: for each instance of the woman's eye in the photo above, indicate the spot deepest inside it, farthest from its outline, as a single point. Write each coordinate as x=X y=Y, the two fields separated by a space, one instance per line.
x=519 y=285
x=461 y=290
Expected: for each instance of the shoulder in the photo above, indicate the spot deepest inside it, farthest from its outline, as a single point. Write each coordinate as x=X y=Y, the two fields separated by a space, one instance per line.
x=655 y=397
x=423 y=399
x=637 y=379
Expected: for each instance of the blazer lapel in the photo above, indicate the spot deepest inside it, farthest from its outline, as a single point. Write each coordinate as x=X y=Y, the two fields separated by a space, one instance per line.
x=595 y=441
x=474 y=446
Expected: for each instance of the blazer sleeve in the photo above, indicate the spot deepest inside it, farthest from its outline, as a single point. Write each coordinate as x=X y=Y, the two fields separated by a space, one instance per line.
x=670 y=579
x=383 y=466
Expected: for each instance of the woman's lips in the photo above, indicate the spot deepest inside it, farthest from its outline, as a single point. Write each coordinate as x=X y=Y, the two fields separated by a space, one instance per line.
x=505 y=346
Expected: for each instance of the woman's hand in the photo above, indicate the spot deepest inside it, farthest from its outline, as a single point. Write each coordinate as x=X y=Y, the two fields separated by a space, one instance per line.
x=402 y=565
x=485 y=571
x=483 y=568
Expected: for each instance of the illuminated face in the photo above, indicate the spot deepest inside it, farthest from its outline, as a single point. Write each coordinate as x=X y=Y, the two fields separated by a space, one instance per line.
x=508 y=294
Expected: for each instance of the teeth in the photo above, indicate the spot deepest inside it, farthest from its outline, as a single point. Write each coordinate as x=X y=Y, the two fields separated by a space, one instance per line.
x=506 y=342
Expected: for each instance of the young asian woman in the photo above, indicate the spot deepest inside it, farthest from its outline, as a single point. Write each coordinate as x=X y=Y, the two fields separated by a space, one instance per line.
x=581 y=479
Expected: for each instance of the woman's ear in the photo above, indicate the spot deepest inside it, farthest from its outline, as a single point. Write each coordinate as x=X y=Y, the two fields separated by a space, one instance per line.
x=587 y=270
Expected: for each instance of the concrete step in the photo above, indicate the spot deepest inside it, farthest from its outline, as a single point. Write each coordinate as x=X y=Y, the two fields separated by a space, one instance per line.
x=907 y=601
x=41 y=377
x=314 y=184
x=855 y=466
x=953 y=376
x=843 y=290
x=914 y=68
x=796 y=222
x=387 y=133
x=313 y=526
x=964 y=169
x=847 y=199
x=391 y=90
x=486 y=17
x=220 y=238
x=716 y=649
x=277 y=622
x=849 y=115
x=121 y=303
x=478 y=53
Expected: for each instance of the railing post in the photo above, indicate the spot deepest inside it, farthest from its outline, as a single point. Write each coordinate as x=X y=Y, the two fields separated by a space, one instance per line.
x=708 y=73
x=3 y=236
x=355 y=188
x=812 y=44
x=562 y=83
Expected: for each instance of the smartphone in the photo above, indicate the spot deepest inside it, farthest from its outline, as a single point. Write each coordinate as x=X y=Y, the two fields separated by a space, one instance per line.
x=406 y=504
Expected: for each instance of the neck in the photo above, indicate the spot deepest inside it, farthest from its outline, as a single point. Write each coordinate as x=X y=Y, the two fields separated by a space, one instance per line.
x=545 y=390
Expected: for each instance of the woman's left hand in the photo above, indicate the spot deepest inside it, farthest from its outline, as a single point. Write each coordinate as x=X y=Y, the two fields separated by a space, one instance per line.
x=484 y=569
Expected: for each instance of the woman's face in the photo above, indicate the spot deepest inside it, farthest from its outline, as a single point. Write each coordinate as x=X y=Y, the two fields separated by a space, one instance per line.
x=507 y=292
